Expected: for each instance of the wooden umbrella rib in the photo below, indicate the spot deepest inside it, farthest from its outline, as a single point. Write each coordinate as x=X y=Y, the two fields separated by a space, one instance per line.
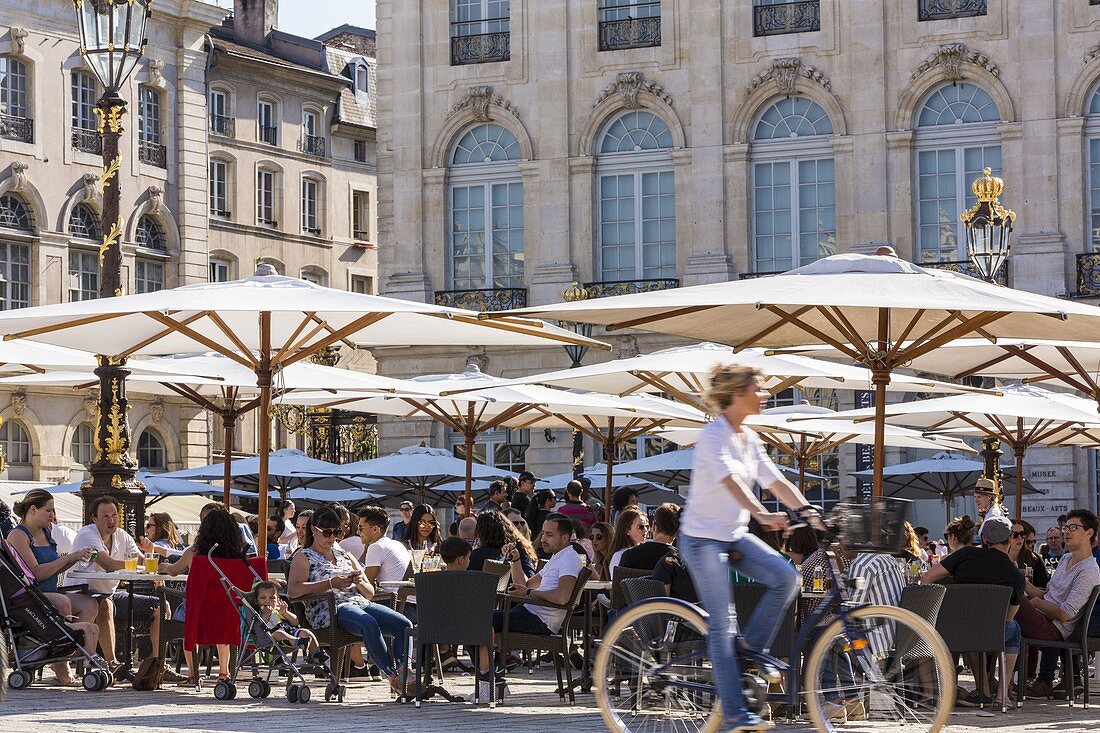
x=1006 y=354
x=430 y=408
x=328 y=327
x=792 y=319
x=530 y=329
x=967 y=326
x=306 y=320
x=505 y=415
x=158 y=336
x=243 y=360
x=1076 y=364
x=1036 y=437
x=229 y=334
x=291 y=346
x=338 y=335
x=191 y=394
x=905 y=333
x=841 y=323
x=664 y=386
x=646 y=320
x=75 y=323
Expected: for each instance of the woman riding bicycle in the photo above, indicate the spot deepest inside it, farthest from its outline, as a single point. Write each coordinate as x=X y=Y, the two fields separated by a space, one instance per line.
x=729 y=458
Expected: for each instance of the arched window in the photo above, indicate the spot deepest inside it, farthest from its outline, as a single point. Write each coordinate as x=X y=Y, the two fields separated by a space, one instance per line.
x=315 y=275
x=637 y=207
x=1092 y=132
x=151 y=454
x=485 y=199
x=793 y=203
x=956 y=137
x=15 y=214
x=16 y=444
x=362 y=77
x=150 y=233
x=15 y=257
x=82 y=446
x=84 y=223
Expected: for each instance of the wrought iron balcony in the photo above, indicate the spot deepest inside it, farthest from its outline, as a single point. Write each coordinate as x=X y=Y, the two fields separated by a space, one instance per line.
x=361 y=235
x=17 y=128
x=479 y=48
x=222 y=125
x=153 y=154
x=966 y=267
x=488 y=299
x=1088 y=275
x=776 y=19
x=315 y=231
x=948 y=9
x=629 y=287
x=88 y=141
x=267 y=222
x=269 y=135
x=221 y=214
x=754 y=275
x=621 y=27
x=312 y=145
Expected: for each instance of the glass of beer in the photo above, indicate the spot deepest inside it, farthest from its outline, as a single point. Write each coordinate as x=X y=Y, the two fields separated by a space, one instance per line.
x=152 y=562
x=130 y=563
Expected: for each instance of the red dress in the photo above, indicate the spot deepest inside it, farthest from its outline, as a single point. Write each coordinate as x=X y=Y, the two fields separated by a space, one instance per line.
x=211 y=618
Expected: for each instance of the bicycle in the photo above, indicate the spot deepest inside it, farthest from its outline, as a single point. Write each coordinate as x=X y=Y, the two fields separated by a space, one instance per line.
x=882 y=666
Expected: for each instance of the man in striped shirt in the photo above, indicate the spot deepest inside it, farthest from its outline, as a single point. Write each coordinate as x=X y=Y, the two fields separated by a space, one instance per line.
x=882 y=586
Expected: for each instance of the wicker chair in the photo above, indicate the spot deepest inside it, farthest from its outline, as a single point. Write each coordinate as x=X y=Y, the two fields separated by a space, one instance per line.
x=746 y=597
x=500 y=569
x=454 y=608
x=559 y=645
x=1079 y=642
x=967 y=622
x=925 y=601
x=618 y=602
x=334 y=640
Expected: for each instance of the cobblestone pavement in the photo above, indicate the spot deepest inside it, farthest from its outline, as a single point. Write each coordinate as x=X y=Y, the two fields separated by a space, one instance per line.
x=532 y=707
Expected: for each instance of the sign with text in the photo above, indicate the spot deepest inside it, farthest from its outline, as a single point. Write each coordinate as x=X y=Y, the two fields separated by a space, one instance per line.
x=865 y=453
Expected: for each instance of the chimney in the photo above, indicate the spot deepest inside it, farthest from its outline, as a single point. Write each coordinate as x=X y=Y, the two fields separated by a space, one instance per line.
x=254 y=19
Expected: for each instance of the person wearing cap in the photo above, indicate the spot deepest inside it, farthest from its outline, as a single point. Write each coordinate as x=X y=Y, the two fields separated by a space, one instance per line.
x=521 y=499
x=406 y=510
x=988 y=564
x=985 y=498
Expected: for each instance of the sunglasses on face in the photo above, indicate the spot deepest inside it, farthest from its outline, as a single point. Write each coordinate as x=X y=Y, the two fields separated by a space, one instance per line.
x=1019 y=534
x=426 y=523
x=597 y=538
x=1029 y=542
x=520 y=523
x=326 y=532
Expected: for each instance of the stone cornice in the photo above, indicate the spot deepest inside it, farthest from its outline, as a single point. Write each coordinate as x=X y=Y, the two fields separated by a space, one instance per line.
x=785 y=72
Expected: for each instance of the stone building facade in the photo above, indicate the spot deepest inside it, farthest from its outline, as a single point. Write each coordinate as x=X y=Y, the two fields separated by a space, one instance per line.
x=634 y=144
x=183 y=224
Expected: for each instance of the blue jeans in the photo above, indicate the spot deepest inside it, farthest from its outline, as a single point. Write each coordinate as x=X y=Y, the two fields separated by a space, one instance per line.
x=372 y=624
x=710 y=571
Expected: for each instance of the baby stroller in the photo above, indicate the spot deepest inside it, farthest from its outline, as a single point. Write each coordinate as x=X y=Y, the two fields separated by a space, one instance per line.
x=35 y=633
x=260 y=652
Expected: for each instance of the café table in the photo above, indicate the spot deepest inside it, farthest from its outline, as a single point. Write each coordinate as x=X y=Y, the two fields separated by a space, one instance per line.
x=127 y=577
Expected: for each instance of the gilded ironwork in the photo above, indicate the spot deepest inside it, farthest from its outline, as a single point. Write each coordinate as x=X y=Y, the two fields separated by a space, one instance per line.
x=772 y=19
x=1088 y=274
x=110 y=171
x=637 y=25
x=948 y=9
x=110 y=119
x=966 y=267
x=488 y=299
x=629 y=287
x=17 y=128
x=110 y=238
x=153 y=154
x=988 y=188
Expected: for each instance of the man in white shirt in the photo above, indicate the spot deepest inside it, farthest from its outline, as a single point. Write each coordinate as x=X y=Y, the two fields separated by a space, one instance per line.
x=385 y=559
x=113 y=545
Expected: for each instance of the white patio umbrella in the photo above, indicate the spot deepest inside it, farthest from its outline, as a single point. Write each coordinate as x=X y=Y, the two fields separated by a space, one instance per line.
x=218 y=384
x=880 y=311
x=157 y=485
x=473 y=402
x=287 y=469
x=1022 y=416
x=682 y=372
x=265 y=322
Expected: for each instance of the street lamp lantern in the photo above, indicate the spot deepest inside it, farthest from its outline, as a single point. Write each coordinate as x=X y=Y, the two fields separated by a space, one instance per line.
x=988 y=226
x=112 y=37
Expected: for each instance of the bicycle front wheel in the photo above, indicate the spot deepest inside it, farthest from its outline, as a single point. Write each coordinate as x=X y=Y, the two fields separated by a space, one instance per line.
x=653 y=673
x=879 y=668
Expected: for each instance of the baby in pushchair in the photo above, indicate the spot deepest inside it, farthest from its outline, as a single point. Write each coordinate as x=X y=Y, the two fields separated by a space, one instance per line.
x=281 y=623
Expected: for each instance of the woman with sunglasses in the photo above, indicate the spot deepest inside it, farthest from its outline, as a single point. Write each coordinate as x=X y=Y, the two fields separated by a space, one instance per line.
x=422 y=532
x=631 y=530
x=1024 y=555
x=601 y=535
x=323 y=567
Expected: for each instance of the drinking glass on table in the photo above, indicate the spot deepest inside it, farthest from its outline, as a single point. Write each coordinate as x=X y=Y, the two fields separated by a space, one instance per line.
x=152 y=562
x=418 y=559
x=131 y=562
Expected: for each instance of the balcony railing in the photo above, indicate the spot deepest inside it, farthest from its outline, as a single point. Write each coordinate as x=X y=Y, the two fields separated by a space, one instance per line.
x=361 y=235
x=315 y=231
x=1088 y=275
x=88 y=141
x=966 y=267
x=629 y=287
x=479 y=48
x=312 y=145
x=631 y=26
x=221 y=125
x=948 y=9
x=221 y=214
x=269 y=135
x=488 y=299
x=268 y=222
x=789 y=17
x=754 y=275
x=153 y=154
x=17 y=128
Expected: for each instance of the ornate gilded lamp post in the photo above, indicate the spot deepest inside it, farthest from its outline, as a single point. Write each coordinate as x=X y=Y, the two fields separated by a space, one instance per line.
x=112 y=41
x=576 y=352
x=988 y=226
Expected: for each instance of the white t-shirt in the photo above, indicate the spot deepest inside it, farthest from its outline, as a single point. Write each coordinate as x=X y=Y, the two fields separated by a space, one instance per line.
x=63 y=536
x=564 y=564
x=122 y=545
x=289 y=532
x=353 y=546
x=391 y=558
x=615 y=560
x=711 y=511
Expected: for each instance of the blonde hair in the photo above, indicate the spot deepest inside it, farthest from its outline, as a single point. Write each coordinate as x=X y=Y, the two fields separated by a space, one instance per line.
x=728 y=381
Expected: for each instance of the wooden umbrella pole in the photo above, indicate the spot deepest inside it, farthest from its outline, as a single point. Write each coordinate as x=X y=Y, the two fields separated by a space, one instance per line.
x=227 y=468
x=1018 y=449
x=263 y=381
x=608 y=456
x=469 y=494
x=880 y=378
x=802 y=464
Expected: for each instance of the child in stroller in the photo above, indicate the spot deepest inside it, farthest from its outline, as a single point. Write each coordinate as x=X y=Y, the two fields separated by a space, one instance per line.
x=281 y=623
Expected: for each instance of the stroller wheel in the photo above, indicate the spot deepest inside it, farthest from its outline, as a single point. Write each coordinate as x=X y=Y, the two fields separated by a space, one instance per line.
x=331 y=691
x=292 y=693
x=94 y=681
x=256 y=689
x=225 y=690
x=19 y=680
x=303 y=694
x=267 y=688
x=340 y=694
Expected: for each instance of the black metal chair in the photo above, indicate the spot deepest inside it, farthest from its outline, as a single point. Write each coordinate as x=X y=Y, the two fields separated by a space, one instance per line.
x=746 y=597
x=1079 y=642
x=971 y=619
x=454 y=608
x=618 y=602
x=559 y=645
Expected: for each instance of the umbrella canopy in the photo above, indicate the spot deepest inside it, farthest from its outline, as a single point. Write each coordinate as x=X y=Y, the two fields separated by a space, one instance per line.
x=683 y=371
x=419 y=470
x=348 y=497
x=648 y=491
x=288 y=469
x=947 y=475
x=1022 y=416
x=158 y=486
x=673 y=469
x=879 y=310
x=265 y=322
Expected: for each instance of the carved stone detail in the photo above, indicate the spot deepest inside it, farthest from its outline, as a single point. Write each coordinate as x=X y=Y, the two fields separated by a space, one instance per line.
x=1092 y=53
x=481 y=361
x=19 y=39
x=156 y=411
x=19 y=402
x=951 y=57
x=91 y=406
x=19 y=176
x=156 y=198
x=156 y=78
x=91 y=186
x=479 y=100
x=785 y=72
x=628 y=84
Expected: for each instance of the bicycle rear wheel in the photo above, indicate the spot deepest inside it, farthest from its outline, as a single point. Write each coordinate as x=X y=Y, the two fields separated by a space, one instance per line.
x=881 y=668
x=653 y=673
